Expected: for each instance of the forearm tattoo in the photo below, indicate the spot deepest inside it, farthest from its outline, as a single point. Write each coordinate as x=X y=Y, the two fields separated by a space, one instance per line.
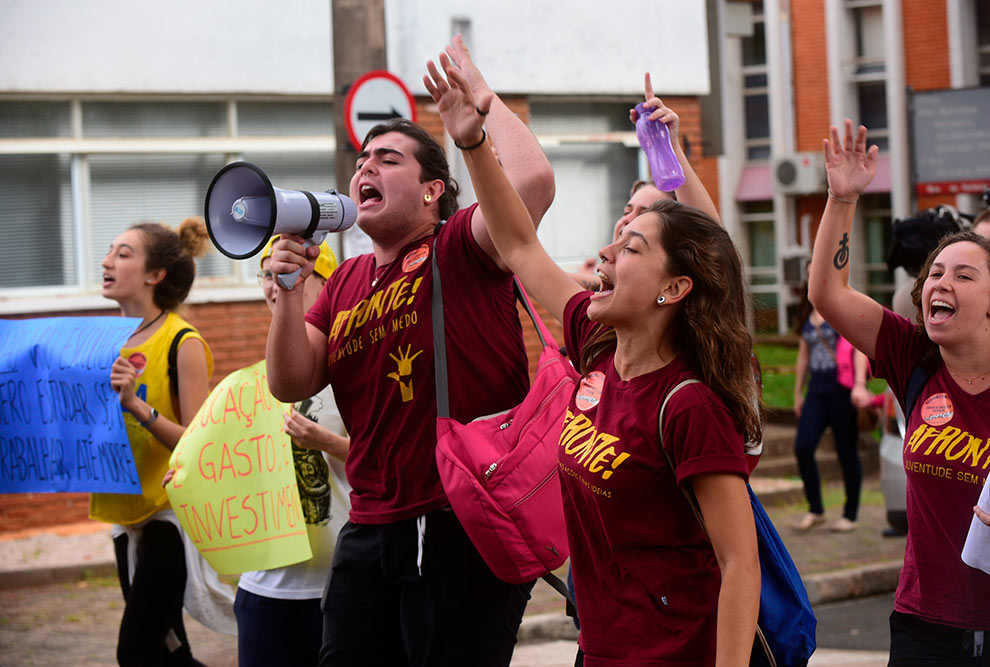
x=590 y=285
x=842 y=254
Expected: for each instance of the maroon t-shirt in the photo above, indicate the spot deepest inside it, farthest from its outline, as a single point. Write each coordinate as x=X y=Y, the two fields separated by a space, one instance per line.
x=946 y=457
x=380 y=361
x=646 y=578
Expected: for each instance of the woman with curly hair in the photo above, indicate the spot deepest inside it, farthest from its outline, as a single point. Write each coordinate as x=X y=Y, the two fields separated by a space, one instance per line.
x=939 y=369
x=651 y=588
x=149 y=270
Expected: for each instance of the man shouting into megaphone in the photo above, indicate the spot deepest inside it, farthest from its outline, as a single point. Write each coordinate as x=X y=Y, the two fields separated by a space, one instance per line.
x=407 y=586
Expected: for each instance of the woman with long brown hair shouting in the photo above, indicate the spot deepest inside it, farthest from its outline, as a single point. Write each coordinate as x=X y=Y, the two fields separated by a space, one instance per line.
x=651 y=589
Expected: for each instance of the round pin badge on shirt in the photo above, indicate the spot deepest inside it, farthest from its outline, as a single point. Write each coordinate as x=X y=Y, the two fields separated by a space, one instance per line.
x=138 y=361
x=414 y=258
x=937 y=409
x=589 y=391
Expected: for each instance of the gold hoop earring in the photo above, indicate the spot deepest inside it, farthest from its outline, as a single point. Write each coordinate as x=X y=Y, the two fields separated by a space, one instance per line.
x=427 y=198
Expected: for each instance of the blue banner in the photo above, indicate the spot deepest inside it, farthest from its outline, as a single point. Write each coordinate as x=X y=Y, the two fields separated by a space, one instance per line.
x=61 y=424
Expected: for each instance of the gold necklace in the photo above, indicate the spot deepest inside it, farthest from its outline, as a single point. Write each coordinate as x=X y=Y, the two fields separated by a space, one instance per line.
x=968 y=380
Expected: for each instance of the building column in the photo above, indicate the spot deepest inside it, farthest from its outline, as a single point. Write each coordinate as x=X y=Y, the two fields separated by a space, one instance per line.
x=780 y=76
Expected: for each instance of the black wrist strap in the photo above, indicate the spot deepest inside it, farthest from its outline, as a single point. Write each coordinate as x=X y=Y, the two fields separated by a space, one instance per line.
x=484 y=136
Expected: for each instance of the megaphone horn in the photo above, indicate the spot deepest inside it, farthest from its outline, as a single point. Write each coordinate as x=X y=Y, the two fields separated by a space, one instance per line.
x=244 y=210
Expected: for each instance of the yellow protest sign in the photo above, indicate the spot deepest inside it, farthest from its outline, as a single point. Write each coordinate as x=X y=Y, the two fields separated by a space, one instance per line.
x=234 y=488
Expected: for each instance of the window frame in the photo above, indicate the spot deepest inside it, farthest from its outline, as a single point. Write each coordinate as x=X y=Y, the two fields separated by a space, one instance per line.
x=83 y=291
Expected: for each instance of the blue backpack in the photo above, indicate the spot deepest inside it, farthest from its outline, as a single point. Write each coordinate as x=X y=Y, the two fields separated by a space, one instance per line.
x=785 y=631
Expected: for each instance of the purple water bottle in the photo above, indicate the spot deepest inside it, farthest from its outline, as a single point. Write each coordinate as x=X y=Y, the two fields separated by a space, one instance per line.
x=653 y=136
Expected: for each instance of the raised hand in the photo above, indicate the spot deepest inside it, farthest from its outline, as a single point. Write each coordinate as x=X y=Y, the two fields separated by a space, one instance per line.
x=660 y=112
x=849 y=165
x=459 y=54
x=462 y=111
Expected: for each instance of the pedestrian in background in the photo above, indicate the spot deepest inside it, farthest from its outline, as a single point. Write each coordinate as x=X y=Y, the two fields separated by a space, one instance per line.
x=827 y=403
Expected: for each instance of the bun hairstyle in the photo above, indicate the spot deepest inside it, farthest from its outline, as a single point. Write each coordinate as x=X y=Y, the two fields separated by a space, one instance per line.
x=174 y=251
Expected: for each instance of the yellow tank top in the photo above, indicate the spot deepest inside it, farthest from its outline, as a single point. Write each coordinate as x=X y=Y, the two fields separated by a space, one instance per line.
x=150 y=455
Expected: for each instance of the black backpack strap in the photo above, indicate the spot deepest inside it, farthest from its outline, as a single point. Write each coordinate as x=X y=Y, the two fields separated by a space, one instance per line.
x=559 y=586
x=919 y=376
x=173 y=359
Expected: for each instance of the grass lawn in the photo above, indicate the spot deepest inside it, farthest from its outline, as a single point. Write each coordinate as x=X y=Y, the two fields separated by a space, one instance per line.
x=777 y=362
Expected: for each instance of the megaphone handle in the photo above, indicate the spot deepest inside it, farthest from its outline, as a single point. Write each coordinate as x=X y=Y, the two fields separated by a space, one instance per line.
x=288 y=280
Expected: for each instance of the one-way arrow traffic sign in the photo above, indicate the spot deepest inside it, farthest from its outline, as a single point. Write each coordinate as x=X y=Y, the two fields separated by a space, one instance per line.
x=379 y=116
x=380 y=96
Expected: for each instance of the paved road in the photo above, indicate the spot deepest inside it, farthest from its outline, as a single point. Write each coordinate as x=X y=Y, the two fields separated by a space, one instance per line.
x=76 y=624
x=856 y=624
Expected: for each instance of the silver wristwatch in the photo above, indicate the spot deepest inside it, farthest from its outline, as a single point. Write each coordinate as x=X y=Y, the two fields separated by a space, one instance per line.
x=152 y=417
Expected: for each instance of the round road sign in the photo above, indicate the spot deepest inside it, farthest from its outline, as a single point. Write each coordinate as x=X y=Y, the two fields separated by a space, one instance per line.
x=376 y=97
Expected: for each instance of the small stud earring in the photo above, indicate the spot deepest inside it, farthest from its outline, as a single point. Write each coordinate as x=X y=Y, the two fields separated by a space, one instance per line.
x=147 y=282
x=427 y=198
x=660 y=300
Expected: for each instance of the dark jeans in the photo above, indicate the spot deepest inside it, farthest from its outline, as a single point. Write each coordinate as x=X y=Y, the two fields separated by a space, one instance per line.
x=151 y=630
x=272 y=631
x=821 y=410
x=379 y=610
x=918 y=643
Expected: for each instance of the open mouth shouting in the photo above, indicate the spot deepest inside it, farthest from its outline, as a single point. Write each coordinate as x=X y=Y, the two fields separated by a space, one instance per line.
x=607 y=287
x=368 y=196
x=939 y=311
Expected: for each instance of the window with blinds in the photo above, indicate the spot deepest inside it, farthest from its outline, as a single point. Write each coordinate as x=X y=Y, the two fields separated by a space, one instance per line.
x=36 y=237
x=34 y=119
x=154 y=119
x=127 y=189
x=60 y=212
x=256 y=119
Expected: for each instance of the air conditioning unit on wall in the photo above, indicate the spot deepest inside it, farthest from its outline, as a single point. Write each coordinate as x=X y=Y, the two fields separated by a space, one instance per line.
x=799 y=173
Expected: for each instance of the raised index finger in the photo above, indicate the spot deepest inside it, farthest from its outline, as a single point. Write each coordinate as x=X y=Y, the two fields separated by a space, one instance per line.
x=648 y=85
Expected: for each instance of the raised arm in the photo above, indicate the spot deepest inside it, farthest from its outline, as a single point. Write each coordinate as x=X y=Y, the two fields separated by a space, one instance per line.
x=524 y=162
x=693 y=192
x=850 y=168
x=296 y=350
x=510 y=225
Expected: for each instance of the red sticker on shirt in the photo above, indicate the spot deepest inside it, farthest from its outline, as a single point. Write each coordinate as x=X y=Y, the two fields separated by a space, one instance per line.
x=138 y=361
x=415 y=258
x=590 y=390
x=937 y=409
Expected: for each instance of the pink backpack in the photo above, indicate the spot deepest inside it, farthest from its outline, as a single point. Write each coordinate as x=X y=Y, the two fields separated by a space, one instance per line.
x=500 y=472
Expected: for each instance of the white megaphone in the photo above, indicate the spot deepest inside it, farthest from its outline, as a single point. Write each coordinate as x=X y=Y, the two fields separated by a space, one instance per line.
x=244 y=210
